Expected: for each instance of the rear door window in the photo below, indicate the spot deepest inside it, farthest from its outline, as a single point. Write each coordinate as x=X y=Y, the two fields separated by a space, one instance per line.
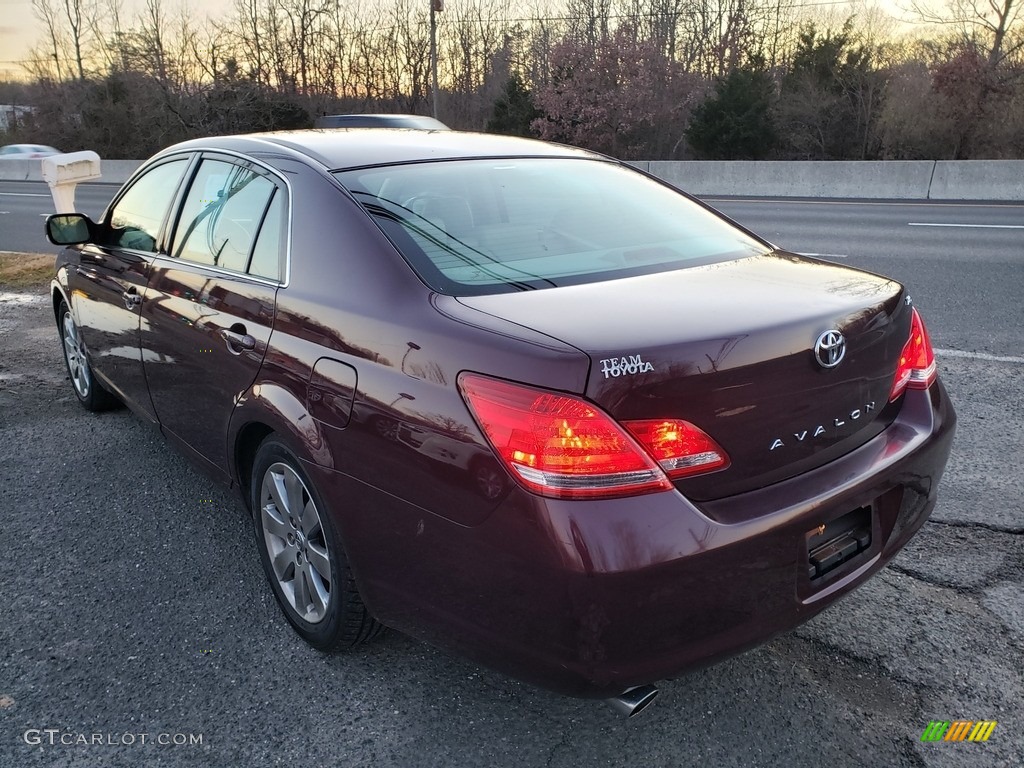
x=231 y=219
x=266 y=258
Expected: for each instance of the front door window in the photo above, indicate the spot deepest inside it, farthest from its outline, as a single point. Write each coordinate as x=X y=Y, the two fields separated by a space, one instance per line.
x=137 y=217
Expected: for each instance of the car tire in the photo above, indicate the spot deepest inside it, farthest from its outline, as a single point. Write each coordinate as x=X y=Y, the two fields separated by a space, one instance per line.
x=91 y=394
x=302 y=554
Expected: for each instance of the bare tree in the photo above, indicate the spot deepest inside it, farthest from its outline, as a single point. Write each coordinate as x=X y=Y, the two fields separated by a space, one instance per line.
x=248 y=23
x=988 y=23
x=107 y=32
x=589 y=22
x=78 y=13
x=46 y=12
x=151 y=31
x=301 y=18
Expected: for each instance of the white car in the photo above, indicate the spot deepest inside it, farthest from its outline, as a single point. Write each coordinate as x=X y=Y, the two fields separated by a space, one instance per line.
x=26 y=151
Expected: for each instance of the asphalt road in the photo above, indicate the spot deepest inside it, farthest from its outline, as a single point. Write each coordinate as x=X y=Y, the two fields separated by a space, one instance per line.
x=964 y=262
x=133 y=602
x=24 y=205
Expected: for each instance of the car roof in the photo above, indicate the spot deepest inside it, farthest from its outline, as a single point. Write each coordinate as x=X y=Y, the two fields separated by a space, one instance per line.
x=340 y=148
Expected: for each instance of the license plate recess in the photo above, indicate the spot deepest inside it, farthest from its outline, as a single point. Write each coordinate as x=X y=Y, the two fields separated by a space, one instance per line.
x=838 y=541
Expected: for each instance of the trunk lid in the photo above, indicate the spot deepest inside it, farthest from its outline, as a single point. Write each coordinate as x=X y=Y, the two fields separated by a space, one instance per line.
x=730 y=347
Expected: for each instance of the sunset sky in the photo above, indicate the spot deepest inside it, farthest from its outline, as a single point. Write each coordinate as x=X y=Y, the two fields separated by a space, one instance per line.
x=20 y=31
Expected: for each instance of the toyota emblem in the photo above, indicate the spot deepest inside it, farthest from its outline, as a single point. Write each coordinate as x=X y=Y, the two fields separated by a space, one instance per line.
x=830 y=349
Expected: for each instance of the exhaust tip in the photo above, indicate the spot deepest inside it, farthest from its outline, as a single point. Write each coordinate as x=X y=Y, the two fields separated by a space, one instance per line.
x=633 y=701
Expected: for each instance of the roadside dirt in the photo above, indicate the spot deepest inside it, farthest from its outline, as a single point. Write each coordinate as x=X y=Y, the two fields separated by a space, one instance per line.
x=24 y=271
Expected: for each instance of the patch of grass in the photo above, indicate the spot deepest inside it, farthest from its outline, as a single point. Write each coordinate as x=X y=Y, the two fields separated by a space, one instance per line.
x=25 y=271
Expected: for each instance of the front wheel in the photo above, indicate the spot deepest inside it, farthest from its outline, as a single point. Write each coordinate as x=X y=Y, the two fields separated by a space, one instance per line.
x=91 y=394
x=302 y=554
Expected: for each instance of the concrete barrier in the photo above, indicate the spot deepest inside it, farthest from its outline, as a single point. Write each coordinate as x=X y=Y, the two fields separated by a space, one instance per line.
x=119 y=171
x=978 y=180
x=897 y=179
x=883 y=179
x=21 y=170
x=114 y=171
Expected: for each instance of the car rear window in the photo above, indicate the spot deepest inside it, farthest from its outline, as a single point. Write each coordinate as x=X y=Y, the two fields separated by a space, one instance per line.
x=471 y=227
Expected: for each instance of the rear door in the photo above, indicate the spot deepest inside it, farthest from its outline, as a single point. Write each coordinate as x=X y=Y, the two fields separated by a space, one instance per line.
x=211 y=308
x=109 y=281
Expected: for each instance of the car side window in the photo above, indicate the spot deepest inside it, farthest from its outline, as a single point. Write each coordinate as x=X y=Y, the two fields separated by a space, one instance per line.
x=266 y=255
x=223 y=212
x=136 y=218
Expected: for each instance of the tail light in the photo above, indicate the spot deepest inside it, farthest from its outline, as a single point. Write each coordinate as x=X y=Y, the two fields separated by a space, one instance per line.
x=680 y=448
x=563 y=446
x=916 y=369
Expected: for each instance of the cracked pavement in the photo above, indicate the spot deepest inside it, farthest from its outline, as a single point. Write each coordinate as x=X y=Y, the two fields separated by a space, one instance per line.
x=132 y=605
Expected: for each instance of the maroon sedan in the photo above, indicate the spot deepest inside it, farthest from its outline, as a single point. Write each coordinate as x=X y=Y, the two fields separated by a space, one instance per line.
x=516 y=399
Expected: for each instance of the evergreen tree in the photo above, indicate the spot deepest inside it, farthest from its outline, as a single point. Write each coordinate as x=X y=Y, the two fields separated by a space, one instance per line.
x=513 y=110
x=737 y=122
x=831 y=97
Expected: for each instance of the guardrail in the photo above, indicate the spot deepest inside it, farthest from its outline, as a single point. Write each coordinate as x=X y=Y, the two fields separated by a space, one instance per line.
x=114 y=171
x=883 y=179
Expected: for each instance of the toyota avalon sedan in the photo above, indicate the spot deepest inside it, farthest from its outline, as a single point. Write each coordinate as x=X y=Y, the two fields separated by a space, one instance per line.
x=516 y=399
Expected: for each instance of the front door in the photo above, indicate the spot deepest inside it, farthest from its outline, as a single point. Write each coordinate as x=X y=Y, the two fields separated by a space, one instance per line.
x=109 y=282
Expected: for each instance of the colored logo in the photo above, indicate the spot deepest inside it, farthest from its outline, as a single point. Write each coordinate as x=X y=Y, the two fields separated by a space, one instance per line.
x=958 y=730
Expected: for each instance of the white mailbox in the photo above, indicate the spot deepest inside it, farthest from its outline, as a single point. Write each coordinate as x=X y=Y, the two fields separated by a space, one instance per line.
x=64 y=172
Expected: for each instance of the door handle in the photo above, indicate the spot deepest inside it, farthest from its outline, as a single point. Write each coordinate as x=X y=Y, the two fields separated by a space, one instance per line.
x=131 y=299
x=237 y=340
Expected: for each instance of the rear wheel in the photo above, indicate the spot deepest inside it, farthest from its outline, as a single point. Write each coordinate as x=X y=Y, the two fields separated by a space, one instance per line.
x=302 y=554
x=489 y=479
x=91 y=394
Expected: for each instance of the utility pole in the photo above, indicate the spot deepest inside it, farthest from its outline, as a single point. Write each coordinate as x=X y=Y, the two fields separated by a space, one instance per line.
x=436 y=6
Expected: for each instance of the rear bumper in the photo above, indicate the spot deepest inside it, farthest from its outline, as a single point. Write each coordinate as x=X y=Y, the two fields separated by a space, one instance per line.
x=591 y=598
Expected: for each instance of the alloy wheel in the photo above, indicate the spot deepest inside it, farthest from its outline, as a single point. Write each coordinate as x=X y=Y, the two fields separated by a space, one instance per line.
x=74 y=353
x=295 y=540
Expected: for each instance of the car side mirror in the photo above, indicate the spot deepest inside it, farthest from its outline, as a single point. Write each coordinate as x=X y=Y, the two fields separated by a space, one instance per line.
x=69 y=228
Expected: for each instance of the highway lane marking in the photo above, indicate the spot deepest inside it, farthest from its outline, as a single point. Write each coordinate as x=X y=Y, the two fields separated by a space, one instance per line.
x=23 y=194
x=970 y=226
x=979 y=356
x=802 y=201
